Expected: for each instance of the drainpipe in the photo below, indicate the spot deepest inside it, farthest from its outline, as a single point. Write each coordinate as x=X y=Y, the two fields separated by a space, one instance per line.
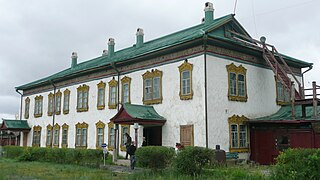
x=115 y=154
x=310 y=67
x=21 y=95
x=205 y=38
x=54 y=111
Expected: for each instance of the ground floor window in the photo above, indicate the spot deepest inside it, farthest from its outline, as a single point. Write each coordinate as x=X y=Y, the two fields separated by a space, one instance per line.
x=124 y=129
x=100 y=134
x=81 y=135
x=64 y=142
x=238 y=133
x=186 y=135
x=111 y=136
x=49 y=135
x=36 y=136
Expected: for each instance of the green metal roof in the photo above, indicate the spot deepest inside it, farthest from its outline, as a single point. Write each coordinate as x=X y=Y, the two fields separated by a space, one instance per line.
x=142 y=112
x=285 y=113
x=164 y=42
x=15 y=124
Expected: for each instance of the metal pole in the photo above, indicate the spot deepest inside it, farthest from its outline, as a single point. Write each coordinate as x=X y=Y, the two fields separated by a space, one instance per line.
x=54 y=111
x=314 y=99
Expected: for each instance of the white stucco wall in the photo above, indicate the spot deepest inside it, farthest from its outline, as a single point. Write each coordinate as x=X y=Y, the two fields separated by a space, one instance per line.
x=176 y=111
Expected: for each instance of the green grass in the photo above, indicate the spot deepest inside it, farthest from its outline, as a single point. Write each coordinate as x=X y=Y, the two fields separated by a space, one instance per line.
x=13 y=169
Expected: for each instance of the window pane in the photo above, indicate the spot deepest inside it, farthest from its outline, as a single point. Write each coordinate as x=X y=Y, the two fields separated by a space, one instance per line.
x=243 y=136
x=156 y=88
x=84 y=137
x=241 y=85
x=85 y=99
x=233 y=85
x=125 y=92
x=100 y=96
x=48 y=137
x=56 y=137
x=79 y=99
x=147 y=89
x=111 y=140
x=234 y=136
x=64 y=136
x=78 y=137
x=113 y=95
x=66 y=102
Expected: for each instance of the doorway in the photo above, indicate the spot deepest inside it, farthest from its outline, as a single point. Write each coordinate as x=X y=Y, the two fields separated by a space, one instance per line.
x=153 y=135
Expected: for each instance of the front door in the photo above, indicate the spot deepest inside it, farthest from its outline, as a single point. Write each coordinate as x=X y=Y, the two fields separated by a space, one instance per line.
x=153 y=135
x=25 y=138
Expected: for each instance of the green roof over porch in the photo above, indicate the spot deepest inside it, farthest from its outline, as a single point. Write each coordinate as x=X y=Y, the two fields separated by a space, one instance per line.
x=142 y=114
x=285 y=114
x=15 y=125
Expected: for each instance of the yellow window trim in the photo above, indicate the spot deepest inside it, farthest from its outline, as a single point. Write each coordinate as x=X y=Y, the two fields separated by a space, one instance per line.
x=65 y=126
x=150 y=75
x=110 y=146
x=112 y=83
x=38 y=99
x=26 y=111
x=66 y=92
x=82 y=126
x=101 y=85
x=238 y=120
x=58 y=94
x=126 y=80
x=36 y=129
x=99 y=124
x=49 y=127
x=83 y=88
x=123 y=146
x=231 y=68
x=182 y=68
x=56 y=127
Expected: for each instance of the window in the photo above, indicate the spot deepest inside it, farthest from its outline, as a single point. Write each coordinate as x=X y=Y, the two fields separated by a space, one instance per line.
x=49 y=135
x=125 y=86
x=237 y=90
x=26 y=108
x=81 y=135
x=36 y=136
x=111 y=136
x=58 y=102
x=124 y=129
x=101 y=95
x=186 y=135
x=50 y=104
x=66 y=100
x=283 y=95
x=82 y=98
x=38 y=106
x=56 y=133
x=238 y=133
x=152 y=87
x=186 y=81
x=112 y=94
x=283 y=142
x=100 y=134
x=64 y=142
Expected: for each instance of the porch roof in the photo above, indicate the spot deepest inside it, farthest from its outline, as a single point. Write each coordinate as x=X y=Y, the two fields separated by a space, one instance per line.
x=284 y=115
x=132 y=113
x=15 y=125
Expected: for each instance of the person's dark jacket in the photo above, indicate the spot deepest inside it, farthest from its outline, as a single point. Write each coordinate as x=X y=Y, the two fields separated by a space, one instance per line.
x=131 y=150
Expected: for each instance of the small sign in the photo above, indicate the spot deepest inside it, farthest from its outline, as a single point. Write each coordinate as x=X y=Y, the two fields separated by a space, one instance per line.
x=103 y=145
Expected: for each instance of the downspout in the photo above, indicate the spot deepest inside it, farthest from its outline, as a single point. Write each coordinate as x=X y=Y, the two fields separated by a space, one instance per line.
x=20 y=114
x=54 y=111
x=115 y=154
x=205 y=38
x=310 y=67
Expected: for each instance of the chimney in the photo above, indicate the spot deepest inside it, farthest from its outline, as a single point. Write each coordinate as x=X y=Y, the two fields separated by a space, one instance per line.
x=104 y=52
x=111 y=47
x=74 y=58
x=139 y=35
x=208 y=16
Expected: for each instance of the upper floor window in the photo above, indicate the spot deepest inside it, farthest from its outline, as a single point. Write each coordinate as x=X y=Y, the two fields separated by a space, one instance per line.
x=49 y=135
x=283 y=95
x=152 y=87
x=100 y=134
x=82 y=98
x=56 y=133
x=238 y=133
x=38 y=106
x=101 y=95
x=26 y=108
x=58 y=102
x=81 y=135
x=111 y=136
x=112 y=94
x=36 y=136
x=66 y=100
x=125 y=86
x=50 y=104
x=64 y=142
x=186 y=81
x=237 y=86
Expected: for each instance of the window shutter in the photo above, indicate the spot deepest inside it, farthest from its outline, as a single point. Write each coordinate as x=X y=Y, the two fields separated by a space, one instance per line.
x=186 y=135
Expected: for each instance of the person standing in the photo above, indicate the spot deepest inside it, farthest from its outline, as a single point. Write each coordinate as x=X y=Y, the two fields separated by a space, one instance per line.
x=144 y=142
x=128 y=143
x=131 y=151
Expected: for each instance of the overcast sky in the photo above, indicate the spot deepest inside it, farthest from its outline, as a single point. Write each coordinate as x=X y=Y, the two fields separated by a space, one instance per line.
x=37 y=37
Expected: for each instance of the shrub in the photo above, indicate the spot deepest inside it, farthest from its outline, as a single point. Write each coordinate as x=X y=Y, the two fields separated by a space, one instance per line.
x=191 y=160
x=12 y=151
x=154 y=157
x=297 y=164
